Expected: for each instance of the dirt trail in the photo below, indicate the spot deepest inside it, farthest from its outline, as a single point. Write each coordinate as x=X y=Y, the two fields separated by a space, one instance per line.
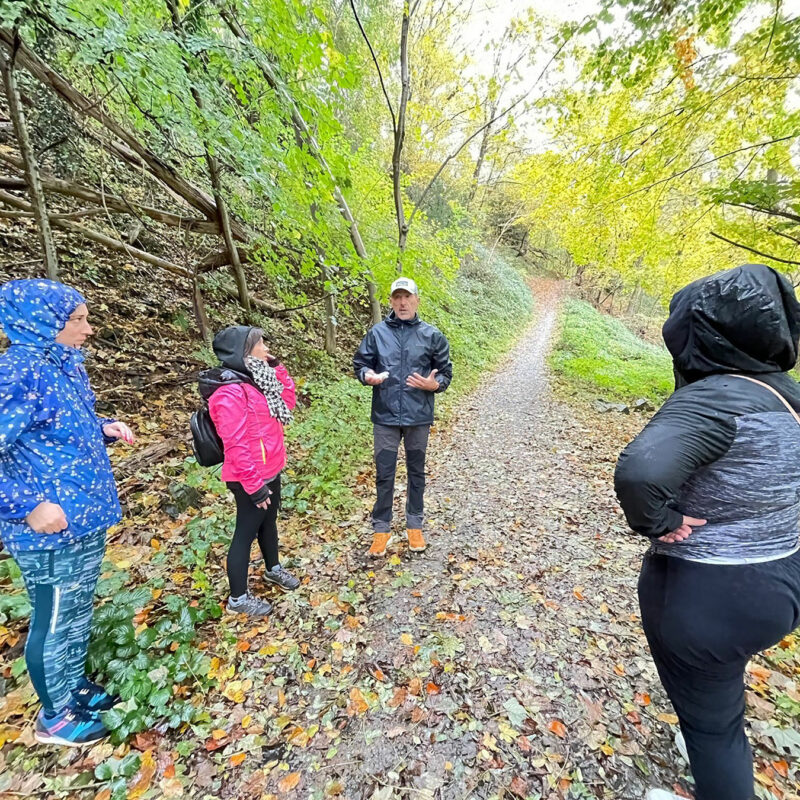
x=506 y=660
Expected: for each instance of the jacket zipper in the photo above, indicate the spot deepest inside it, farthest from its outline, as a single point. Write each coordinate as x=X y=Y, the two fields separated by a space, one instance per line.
x=402 y=370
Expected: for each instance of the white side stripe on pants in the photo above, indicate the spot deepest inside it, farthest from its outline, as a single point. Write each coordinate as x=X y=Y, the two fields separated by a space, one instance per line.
x=56 y=602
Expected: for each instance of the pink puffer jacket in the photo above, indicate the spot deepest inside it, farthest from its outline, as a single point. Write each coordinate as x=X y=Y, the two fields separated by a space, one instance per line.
x=254 y=448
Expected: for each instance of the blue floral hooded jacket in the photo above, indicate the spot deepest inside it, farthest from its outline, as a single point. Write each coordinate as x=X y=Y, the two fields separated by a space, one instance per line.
x=52 y=446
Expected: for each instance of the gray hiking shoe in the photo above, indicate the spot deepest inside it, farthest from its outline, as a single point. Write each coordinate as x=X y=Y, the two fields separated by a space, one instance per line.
x=281 y=578
x=249 y=605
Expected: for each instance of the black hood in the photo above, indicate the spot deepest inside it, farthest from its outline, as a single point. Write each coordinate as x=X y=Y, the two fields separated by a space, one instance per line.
x=745 y=319
x=230 y=347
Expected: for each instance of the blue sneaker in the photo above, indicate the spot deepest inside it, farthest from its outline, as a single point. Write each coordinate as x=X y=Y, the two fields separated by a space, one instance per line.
x=92 y=697
x=70 y=727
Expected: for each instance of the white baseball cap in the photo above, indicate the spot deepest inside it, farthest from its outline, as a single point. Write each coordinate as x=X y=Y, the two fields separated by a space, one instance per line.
x=404 y=284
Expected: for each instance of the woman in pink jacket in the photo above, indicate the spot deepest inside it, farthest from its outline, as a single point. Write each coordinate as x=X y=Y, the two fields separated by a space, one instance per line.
x=250 y=398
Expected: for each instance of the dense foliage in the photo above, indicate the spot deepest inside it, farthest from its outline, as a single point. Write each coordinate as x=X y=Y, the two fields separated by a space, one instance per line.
x=672 y=152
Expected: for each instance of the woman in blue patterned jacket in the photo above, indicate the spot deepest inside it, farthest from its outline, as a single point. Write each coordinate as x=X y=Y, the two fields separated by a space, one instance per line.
x=57 y=496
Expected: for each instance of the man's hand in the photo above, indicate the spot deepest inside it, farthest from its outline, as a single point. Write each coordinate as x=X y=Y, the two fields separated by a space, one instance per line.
x=119 y=430
x=684 y=532
x=371 y=379
x=263 y=504
x=47 y=518
x=429 y=384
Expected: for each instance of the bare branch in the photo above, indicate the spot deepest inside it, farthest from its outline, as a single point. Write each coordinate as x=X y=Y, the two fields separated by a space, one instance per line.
x=784 y=234
x=494 y=119
x=377 y=65
x=683 y=172
x=96 y=236
x=753 y=250
x=770 y=211
x=772 y=32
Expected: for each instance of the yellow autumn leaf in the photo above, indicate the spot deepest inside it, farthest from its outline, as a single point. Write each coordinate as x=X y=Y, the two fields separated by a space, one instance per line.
x=407 y=639
x=142 y=779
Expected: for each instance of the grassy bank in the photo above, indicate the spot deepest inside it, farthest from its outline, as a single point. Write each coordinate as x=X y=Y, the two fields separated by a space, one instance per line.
x=598 y=356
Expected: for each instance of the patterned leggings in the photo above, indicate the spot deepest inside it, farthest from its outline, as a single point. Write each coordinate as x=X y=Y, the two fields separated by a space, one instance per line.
x=61 y=586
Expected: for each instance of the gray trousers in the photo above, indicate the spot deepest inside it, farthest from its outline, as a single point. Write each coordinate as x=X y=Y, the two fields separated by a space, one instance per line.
x=387 y=443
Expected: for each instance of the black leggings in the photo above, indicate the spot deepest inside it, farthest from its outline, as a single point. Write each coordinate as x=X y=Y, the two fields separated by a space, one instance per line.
x=252 y=522
x=703 y=622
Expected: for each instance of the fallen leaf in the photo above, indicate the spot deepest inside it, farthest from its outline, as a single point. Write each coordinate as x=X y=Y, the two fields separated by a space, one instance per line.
x=146 y=741
x=171 y=788
x=237 y=759
x=757 y=671
x=357 y=705
x=142 y=779
x=782 y=768
x=518 y=786
x=557 y=727
x=242 y=645
x=289 y=782
x=214 y=744
x=670 y=719
x=407 y=639
x=643 y=699
x=432 y=688
x=399 y=697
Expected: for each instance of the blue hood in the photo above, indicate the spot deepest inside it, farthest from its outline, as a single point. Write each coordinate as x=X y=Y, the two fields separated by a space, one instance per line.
x=34 y=311
x=51 y=439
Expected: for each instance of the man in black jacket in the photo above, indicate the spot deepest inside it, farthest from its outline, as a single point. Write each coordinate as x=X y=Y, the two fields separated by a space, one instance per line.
x=405 y=361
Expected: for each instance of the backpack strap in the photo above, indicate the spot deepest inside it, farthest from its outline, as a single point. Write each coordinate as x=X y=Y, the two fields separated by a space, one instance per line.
x=774 y=391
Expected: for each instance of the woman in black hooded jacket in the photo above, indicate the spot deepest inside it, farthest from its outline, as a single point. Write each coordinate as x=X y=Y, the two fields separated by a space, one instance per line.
x=714 y=482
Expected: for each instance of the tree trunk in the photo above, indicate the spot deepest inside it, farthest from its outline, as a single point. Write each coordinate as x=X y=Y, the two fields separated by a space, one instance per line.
x=227 y=235
x=487 y=134
x=200 y=315
x=330 y=324
x=30 y=167
x=213 y=173
x=128 y=146
x=53 y=185
x=399 y=139
x=305 y=135
x=96 y=236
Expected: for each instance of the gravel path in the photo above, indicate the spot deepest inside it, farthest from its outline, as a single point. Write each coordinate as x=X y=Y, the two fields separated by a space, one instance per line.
x=508 y=656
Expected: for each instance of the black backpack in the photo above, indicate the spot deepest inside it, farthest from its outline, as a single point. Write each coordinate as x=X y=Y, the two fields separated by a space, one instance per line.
x=207 y=445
